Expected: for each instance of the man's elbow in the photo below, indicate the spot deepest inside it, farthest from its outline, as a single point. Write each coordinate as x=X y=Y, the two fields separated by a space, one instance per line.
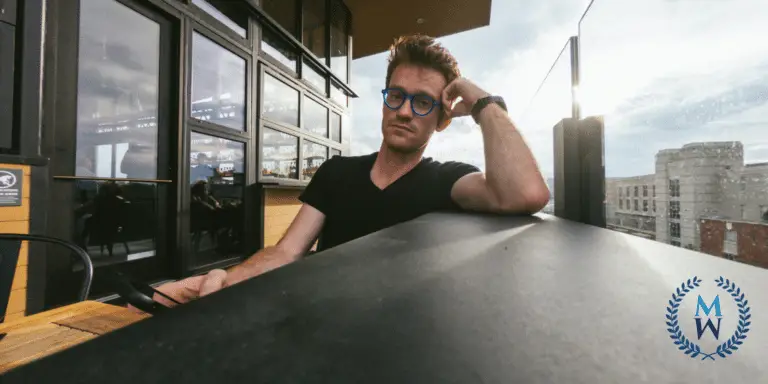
x=526 y=203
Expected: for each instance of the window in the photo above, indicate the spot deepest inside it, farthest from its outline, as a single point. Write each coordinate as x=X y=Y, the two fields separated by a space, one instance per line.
x=675 y=243
x=277 y=48
x=637 y=207
x=117 y=102
x=674 y=188
x=621 y=204
x=743 y=212
x=620 y=192
x=314 y=155
x=340 y=22
x=315 y=117
x=674 y=209
x=218 y=84
x=654 y=206
x=234 y=18
x=335 y=152
x=312 y=76
x=628 y=192
x=729 y=256
x=313 y=30
x=6 y=84
x=282 y=11
x=645 y=205
x=654 y=190
x=280 y=155
x=628 y=204
x=743 y=183
x=335 y=127
x=338 y=95
x=764 y=212
x=674 y=230
x=731 y=243
x=280 y=101
x=217 y=186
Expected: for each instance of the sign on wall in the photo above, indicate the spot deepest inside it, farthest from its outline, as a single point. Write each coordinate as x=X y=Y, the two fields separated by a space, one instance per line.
x=11 y=182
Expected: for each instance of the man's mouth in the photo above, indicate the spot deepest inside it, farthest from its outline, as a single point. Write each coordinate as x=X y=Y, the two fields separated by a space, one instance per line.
x=403 y=127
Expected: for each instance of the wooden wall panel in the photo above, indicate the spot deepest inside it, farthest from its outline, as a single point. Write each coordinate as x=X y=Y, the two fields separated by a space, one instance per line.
x=280 y=207
x=16 y=220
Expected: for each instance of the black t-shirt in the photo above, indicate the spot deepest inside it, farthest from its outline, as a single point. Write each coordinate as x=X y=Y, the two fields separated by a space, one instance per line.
x=354 y=207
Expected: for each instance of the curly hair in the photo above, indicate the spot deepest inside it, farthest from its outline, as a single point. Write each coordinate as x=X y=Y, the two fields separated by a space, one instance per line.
x=422 y=51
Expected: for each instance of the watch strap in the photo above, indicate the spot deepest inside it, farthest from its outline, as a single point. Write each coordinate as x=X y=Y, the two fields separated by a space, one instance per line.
x=484 y=102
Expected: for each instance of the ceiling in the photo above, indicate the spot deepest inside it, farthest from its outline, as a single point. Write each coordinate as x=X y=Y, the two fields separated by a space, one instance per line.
x=377 y=23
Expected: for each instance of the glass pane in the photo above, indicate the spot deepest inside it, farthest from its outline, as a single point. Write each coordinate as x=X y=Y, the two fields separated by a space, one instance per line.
x=7 y=38
x=315 y=78
x=117 y=98
x=217 y=182
x=218 y=10
x=116 y=222
x=280 y=155
x=280 y=101
x=314 y=154
x=338 y=95
x=335 y=152
x=685 y=111
x=335 y=127
x=339 y=43
x=218 y=84
x=283 y=11
x=314 y=27
x=315 y=117
x=552 y=103
x=276 y=47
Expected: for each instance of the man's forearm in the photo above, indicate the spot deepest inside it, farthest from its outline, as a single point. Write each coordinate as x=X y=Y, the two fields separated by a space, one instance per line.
x=262 y=261
x=511 y=170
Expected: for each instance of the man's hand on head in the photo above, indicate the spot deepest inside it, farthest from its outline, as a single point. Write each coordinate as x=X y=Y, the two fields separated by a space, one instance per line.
x=467 y=91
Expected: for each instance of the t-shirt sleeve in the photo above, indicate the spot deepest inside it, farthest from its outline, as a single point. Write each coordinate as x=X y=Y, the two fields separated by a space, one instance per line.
x=450 y=172
x=317 y=193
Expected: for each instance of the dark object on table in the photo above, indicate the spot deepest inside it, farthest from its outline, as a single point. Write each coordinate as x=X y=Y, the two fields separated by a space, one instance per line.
x=445 y=298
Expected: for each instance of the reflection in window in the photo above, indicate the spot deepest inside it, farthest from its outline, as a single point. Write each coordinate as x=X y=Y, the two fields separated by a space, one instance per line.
x=218 y=84
x=275 y=46
x=314 y=27
x=217 y=183
x=280 y=101
x=314 y=155
x=218 y=10
x=340 y=21
x=282 y=11
x=335 y=127
x=117 y=98
x=335 y=152
x=315 y=117
x=313 y=77
x=338 y=95
x=280 y=155
x=116 y=222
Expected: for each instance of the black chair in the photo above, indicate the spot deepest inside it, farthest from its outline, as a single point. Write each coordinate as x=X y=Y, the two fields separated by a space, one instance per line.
x=10 y=245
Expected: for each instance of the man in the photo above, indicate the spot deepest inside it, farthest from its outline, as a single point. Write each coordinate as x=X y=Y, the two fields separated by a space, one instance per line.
x=350 y=197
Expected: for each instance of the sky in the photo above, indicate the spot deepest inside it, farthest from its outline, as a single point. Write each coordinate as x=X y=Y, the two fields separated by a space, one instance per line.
x=663 y=73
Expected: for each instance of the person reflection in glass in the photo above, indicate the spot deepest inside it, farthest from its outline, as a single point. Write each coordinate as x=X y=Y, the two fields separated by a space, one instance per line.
x=103 y=218
x=203 y=169
x=204 y=212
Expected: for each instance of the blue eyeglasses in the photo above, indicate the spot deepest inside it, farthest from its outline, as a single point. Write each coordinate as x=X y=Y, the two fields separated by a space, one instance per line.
x=421 y=104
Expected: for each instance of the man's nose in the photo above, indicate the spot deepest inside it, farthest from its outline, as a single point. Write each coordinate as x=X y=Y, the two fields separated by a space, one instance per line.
x=405 y=111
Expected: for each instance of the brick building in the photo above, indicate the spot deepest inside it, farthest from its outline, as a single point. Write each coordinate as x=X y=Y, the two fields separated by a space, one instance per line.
x=746 y=242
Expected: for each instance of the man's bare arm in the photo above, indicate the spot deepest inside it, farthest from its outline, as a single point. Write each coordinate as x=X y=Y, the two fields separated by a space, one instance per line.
x=297 y=241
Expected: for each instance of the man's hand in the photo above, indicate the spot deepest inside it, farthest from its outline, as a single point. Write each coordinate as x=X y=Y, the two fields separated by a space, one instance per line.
x=191 y=288
x=467 y=91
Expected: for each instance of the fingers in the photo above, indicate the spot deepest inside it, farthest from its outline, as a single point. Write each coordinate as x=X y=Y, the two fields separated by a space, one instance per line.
x=213 y=282
x=182 y=291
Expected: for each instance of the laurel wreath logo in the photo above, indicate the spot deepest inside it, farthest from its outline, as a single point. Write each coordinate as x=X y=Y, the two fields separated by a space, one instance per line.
x=689 y=347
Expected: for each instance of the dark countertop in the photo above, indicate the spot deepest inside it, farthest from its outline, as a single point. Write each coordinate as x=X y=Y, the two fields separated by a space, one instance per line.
x=445 y=298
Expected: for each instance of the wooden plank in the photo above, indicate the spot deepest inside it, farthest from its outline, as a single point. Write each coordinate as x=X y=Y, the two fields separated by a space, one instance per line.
x=102 y=320
x=17 y=302
x=19 y=278
x=38 y=343
x=13 y=316
x=24 y=254
x=52 y=315
x=14 y=227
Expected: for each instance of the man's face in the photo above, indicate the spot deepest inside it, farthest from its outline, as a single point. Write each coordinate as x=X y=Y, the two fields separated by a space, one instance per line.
x=403 y=130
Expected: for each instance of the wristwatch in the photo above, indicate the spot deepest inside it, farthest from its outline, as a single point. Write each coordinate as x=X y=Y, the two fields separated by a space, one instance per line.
x=484 y=102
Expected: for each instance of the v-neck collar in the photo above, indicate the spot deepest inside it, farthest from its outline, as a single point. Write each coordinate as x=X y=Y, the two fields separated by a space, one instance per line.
x=369 y=169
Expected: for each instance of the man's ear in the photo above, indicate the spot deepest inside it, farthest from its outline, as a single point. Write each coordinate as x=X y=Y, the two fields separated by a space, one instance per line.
x=443 y=125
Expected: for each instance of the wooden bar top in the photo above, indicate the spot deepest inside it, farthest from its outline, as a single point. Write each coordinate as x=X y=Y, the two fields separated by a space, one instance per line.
x=45 y=333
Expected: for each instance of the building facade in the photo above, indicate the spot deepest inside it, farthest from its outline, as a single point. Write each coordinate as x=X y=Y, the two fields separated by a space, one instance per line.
x=700 y=195
x=171 y=137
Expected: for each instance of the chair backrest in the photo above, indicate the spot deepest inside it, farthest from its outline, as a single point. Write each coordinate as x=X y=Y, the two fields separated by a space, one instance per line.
x=10 y=244
x=9 y=257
